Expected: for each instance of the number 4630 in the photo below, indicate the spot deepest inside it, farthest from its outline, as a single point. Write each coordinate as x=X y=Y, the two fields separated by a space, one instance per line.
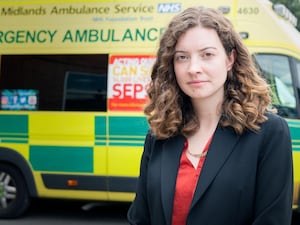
x=248 y=10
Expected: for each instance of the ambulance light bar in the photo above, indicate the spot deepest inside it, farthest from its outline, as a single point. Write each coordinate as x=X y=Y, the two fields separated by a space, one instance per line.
x=284 y=12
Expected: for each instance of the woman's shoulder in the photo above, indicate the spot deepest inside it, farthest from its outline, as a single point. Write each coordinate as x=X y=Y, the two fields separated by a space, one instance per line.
x=152 y=140
x=274 y=118
x=274 y=123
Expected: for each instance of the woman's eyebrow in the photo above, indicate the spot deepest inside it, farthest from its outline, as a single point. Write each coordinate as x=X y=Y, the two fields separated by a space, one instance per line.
x=200 y=50
x=180 y=51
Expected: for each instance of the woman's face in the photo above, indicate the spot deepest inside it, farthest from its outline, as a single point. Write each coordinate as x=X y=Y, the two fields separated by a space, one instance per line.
x=201 y=64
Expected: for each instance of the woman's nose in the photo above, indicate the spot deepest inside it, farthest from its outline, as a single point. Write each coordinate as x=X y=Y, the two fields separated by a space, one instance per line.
x=195 y=65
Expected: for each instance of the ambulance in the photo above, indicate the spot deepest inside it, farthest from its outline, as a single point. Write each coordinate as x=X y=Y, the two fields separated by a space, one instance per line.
x=73 y=76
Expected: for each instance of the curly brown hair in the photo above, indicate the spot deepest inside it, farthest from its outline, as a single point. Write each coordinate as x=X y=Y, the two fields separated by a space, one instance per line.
x=247 y=94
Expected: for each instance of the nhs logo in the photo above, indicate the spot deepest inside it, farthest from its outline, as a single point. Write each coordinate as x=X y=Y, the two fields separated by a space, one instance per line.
x=169 y=7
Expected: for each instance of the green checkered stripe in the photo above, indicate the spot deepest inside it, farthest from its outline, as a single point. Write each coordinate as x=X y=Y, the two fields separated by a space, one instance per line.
x=109 y=131
x=14 y=128
x=294 y=126
x=120 y=130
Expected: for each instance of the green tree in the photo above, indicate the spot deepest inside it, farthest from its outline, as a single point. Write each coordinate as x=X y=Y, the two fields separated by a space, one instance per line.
x=293 y=6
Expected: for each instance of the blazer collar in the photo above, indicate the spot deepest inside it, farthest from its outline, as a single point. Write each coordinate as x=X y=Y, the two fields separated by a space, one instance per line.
x=171 y=153
x=222 y=145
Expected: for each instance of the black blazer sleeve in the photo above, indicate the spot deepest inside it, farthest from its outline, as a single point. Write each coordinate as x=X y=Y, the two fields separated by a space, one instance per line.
x=274 y=189
x=138 y=213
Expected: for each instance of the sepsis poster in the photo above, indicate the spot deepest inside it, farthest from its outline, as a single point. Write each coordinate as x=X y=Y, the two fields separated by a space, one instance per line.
x=128 y=78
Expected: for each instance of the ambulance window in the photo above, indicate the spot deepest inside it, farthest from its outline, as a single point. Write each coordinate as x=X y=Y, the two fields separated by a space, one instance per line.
x=84 y=92
x=37 y=82
x=297 y=63
x=276 y=69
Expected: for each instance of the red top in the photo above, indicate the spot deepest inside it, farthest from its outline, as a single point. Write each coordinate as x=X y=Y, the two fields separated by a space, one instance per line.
x=185 y=186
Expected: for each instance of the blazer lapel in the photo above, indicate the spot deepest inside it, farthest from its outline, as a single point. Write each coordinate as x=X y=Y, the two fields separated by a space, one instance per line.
x=171 y=153
x=220 y=148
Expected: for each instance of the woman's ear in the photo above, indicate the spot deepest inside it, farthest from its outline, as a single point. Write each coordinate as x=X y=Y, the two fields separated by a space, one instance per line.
x=231 y=59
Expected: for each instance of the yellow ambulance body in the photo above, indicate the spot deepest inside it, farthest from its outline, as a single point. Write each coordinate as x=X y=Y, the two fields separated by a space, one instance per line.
x=73 y=76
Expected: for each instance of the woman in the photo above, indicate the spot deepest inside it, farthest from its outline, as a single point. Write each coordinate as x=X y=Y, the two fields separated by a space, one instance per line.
x=215 y=153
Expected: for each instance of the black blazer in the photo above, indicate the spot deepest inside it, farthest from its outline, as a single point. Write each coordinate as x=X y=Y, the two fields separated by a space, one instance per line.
x=245 y=179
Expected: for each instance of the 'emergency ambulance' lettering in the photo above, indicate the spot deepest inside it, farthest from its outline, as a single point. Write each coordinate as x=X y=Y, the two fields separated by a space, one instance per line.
x=25 y=36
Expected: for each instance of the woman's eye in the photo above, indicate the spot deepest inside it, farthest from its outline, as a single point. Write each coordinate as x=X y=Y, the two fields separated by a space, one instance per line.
x=207 y=55
x=181 y=57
